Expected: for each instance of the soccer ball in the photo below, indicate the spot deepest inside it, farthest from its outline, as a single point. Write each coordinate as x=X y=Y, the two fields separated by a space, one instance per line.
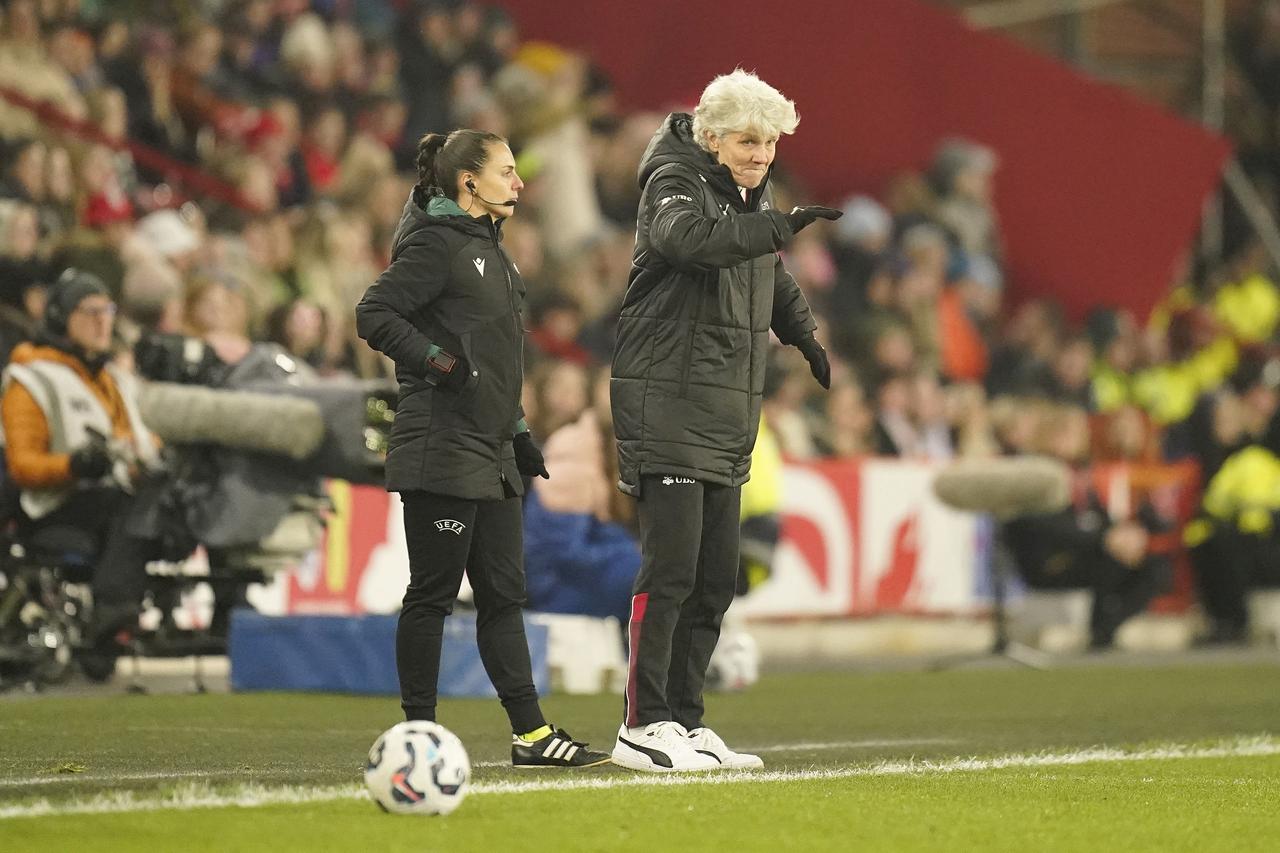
x=418 y=767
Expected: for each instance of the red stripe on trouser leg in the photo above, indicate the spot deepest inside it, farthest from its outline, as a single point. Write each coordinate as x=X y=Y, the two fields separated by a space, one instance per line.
x=638 y=604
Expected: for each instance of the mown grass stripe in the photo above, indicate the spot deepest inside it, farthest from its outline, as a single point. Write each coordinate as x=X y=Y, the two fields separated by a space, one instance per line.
x=254 y=794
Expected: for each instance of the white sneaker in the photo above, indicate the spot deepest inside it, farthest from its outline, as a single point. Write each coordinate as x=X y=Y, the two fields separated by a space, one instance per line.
x=660 y=748
x=707 y=742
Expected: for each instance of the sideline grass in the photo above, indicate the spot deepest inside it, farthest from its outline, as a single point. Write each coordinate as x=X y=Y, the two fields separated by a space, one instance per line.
x=300 y=739
x=1178 y=804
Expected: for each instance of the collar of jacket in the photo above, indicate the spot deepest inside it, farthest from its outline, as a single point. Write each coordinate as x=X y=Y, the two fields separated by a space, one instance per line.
x=673 y=143
x=94 y=364
x=721 y=179
x=448 y=212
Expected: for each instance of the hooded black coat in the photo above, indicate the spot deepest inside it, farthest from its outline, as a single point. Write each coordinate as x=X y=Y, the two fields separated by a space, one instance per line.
x=706 y=286
x=451 y=285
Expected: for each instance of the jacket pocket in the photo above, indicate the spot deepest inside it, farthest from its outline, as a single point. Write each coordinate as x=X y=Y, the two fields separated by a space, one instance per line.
x=473 y=381
x=686 y=366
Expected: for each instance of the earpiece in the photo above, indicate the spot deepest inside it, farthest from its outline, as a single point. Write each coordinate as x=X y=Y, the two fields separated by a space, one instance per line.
x=471 y=185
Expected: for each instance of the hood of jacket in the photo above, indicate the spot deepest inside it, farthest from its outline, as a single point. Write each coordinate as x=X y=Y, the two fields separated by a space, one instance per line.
x=429 y=211
x=673 y=143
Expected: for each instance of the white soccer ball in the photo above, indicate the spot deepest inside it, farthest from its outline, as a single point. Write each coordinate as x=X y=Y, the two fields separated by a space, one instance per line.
x=418 y=767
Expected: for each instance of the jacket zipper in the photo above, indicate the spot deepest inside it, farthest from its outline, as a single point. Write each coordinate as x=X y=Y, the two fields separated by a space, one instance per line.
x=686 y=369
x=515 y=322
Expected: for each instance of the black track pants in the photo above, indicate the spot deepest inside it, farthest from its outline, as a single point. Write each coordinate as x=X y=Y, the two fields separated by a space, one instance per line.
x=445 y=537
x=689 y=538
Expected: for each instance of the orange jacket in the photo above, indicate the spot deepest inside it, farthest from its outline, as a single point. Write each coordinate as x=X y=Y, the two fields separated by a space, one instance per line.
x=26 y=430
x=964 y=354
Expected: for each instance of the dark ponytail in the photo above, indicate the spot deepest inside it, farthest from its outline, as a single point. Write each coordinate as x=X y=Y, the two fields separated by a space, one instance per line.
x=441 y=158
x=428 y=147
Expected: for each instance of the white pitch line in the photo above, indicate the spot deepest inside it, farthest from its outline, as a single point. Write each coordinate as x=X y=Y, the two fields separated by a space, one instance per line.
x=850 y=744
x=254 y=795
x=804 y=747
x=57 y=778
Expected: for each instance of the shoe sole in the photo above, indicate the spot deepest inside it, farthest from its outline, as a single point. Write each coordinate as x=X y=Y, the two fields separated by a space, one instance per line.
x=645 y=765
x=605 y=760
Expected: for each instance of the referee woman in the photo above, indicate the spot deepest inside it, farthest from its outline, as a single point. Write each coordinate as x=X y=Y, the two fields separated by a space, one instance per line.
x=447 y=312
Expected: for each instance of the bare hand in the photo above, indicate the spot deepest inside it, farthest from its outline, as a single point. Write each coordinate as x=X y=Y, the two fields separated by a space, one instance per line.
x=1127 y=543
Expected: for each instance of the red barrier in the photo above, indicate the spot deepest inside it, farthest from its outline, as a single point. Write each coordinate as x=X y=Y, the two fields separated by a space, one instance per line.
x=174 y=171
x=860 y=537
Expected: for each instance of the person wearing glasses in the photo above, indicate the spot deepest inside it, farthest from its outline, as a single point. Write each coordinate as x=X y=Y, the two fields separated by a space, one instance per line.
x=76 y=447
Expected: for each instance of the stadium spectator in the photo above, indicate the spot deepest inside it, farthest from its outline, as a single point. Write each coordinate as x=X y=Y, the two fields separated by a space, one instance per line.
x=581 y=550
x=561 y=391
x=1082 y=546
x=217 y=315
x=58 y=213
x=896 y=432
x=1022 y=361
x=299 y=328
x=961 y=176
x=22 y=276
x=77 y=448
x=786 y=384
x=1069 y=380
x=1234 y=539
x=557 y=324
x=861 y=239
x=848 y=426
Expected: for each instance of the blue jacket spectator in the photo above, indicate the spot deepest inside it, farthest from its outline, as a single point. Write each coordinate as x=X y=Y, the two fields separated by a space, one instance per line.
x=577 y=558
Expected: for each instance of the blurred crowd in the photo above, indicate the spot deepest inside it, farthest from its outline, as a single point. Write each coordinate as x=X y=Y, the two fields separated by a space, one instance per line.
x=233 y=170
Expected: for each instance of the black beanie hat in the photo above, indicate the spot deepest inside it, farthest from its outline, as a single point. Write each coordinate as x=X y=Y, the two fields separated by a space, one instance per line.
x=71 y=288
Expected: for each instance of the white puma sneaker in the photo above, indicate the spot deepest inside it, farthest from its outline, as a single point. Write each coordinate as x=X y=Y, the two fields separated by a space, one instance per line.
x=660 y=748
x=707 y=742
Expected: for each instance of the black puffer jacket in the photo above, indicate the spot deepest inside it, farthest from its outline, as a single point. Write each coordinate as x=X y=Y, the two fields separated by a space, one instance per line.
x=451 y=285
x=706 y=286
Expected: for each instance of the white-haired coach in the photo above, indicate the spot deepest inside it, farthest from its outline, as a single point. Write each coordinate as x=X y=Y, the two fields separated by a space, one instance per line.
x=706 y=287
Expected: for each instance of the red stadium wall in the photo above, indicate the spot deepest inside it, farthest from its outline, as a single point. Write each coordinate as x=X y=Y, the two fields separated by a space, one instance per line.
x=1099 y=192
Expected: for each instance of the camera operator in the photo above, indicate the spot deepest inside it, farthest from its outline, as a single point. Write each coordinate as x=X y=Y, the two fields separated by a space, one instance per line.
x=76 y=447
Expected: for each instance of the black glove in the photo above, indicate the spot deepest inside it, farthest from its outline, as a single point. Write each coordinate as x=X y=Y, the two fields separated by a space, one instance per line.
x=799 y=217
x=450 y=371
x=90 y=462
x=528 y=457
x=819 y=365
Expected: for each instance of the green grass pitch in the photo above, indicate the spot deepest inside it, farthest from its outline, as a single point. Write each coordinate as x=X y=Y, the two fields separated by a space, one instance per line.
x=1090 y=758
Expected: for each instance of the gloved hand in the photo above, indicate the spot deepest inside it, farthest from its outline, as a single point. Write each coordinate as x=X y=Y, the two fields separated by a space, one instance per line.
x=819 y=365
x=451 y=371
x=90 y=462
x=799 y=217
x=529 y=459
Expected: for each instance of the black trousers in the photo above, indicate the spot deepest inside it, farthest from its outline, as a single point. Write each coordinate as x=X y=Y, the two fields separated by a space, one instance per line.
x=447 y=536
x=1227 y=565
x=1119 y=592
x=109 y=522
x=689 y=539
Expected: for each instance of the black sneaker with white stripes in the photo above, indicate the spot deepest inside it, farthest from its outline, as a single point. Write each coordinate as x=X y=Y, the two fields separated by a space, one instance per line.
x=557 y=749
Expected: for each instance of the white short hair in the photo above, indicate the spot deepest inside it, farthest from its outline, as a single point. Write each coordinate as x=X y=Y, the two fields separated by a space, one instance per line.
x=739 y=102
